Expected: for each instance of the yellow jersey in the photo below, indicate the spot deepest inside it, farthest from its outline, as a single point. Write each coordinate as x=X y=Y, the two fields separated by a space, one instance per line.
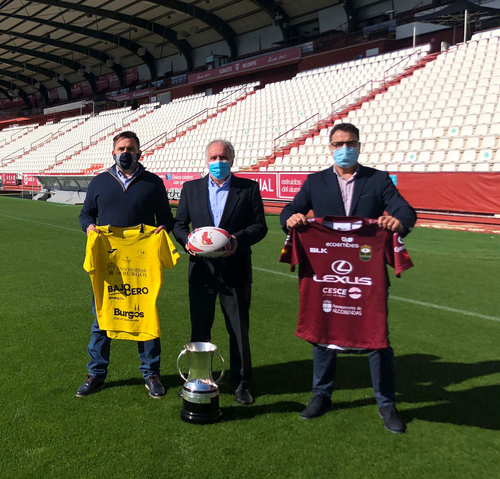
x=126 y=271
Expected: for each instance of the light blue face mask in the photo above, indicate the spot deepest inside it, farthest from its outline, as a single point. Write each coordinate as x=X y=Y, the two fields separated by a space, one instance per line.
x=345 y=157
x=219 y=169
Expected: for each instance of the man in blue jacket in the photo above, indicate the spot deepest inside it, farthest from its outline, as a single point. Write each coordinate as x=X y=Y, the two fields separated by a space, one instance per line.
x=350 y=189
x=125 y=195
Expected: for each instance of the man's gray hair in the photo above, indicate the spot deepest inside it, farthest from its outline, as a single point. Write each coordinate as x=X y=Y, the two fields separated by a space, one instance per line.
x=226 y=143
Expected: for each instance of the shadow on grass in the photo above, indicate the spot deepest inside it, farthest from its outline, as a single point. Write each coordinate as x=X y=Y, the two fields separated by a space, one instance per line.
x=425 y=378
x=238 y=413
x=169 y=382
x=422 y=378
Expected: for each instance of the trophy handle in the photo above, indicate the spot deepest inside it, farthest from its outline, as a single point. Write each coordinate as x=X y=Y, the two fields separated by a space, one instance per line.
x=223 y=366
x=184 y=351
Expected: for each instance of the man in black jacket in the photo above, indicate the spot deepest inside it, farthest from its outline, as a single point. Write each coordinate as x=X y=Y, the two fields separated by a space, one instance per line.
x=350 y=189
x=125 y=195
x=235 y=205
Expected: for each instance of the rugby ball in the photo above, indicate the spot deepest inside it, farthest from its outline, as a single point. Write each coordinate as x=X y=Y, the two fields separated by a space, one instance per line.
x=209 y=241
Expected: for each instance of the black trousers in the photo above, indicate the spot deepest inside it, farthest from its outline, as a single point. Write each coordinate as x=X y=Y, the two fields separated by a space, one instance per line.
x=235 y=306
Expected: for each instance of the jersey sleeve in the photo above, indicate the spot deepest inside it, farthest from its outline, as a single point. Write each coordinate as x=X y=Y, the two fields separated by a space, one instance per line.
x=89 y=262
x=168 y=254
x=291 y=252
x=396 y=254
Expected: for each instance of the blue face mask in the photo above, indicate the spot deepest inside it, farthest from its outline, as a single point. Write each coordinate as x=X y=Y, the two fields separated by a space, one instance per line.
x=345 y=157
x=219 y=169
x=126 y=160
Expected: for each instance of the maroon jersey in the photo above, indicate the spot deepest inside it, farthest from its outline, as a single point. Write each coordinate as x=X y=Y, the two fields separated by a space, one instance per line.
x=343 y=279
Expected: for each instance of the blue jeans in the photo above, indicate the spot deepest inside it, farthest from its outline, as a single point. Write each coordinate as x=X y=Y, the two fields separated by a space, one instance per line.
x=99 y=349
x=382 y=370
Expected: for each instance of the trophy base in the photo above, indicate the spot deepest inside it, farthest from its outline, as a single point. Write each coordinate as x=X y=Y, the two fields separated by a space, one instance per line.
x=206 y=413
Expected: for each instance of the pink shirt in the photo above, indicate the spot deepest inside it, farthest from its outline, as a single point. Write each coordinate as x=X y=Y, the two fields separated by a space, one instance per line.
x=347 y=189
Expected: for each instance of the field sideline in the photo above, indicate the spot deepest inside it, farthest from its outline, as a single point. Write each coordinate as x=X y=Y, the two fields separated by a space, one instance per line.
x=444 y=323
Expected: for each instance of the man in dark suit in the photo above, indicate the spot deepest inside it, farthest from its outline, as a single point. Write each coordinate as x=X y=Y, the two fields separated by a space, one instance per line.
x=349 y=189
x=234 y=204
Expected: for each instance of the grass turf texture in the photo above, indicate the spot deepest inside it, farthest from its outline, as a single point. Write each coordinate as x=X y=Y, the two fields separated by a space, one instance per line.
x=448 y=370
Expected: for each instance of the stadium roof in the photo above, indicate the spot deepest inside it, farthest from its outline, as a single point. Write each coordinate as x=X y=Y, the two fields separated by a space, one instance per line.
x=454 y=14
x=44 y=42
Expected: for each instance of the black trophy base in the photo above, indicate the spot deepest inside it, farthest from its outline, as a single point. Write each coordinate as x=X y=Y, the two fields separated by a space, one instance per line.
x=205 y=413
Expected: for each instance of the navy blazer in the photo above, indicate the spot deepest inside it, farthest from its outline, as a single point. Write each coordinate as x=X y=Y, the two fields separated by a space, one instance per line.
x=243 y=217
x=374 y=192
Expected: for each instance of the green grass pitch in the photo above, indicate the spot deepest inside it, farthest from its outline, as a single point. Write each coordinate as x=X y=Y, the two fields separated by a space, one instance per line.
x=445 y=330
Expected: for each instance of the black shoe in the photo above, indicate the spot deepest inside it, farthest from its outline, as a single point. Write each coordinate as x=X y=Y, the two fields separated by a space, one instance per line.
x=318 y=405
x=392 y=421
x=156 y=389
x=91 y=385
x=243 y=397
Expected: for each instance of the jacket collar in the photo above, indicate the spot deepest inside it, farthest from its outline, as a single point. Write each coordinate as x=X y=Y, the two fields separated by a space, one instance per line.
x=112 y=170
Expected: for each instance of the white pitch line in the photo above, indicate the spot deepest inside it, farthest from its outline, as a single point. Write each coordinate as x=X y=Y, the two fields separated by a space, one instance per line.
x=406 y=300
x=41 y=223
x=445 y=308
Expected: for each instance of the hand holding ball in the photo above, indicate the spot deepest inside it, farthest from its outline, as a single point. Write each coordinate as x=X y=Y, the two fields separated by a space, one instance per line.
x=209 y=242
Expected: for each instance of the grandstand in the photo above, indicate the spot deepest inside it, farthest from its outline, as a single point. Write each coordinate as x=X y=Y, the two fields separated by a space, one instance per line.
x=419 y=112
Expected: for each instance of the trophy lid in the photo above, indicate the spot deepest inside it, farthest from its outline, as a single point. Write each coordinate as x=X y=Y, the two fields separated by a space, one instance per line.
x=201 y=347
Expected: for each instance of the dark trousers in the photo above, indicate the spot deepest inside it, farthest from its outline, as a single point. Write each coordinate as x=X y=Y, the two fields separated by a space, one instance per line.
x=99 y=350
x=235 y=305
x=382 y=370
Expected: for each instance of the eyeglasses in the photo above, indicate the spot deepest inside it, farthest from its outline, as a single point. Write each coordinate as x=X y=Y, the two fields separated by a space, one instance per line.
x=350 y=144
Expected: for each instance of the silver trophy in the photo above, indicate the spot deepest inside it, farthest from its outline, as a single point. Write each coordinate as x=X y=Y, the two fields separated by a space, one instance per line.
x=200 y=392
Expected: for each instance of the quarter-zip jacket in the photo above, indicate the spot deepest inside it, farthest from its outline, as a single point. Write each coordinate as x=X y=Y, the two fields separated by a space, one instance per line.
x=109 y=203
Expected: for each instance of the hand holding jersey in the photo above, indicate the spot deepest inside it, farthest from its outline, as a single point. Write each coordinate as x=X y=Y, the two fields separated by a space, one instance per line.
x=126 y=195
x=385 y=221
x=349 y=189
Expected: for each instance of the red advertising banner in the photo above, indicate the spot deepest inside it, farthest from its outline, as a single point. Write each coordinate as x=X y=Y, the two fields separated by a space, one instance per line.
x=75 y=90
x=81 y=87
x=173 y=182
x=267 y=183
x=462 y=192
x=114 y=82
x=9 y=179
x=244 y=66
x=458 y=192
x=15 y=103
x=276 y=186
x=53 y=95
x=104 y=81
x=29 y=179
x=101 y=83
x=290 y=183
x=133 y=94
x=130 y=75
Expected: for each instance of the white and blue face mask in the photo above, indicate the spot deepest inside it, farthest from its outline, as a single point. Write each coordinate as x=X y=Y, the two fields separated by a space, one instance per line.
x=346 y=156
x=219 y=169
x=126 y=160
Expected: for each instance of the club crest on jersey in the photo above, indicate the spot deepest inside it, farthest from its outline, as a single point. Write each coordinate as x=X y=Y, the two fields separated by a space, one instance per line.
x=365 y=252
x=327 y=306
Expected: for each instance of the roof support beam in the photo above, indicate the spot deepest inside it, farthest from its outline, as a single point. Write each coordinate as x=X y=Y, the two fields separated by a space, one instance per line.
x=164 y=32
x=102 y=57
x=88 y=32
x=75 y=66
